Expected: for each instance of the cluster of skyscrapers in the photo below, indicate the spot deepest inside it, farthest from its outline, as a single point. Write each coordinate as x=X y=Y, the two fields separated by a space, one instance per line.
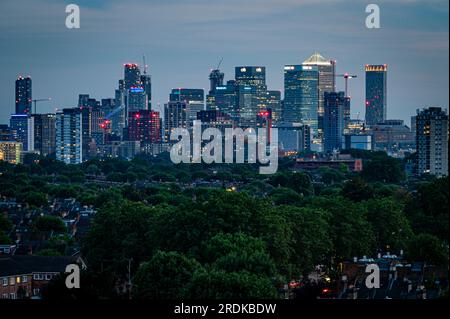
x=310 y=116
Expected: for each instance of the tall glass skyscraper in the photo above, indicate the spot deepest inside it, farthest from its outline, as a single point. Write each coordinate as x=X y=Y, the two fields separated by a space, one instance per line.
x=146 y=82
x=23 y=95
x=327 y=82
x=175 y=116
x=132 y=75
x=118 y=116
x=376 y=106
x=44 y=133
x=333 y=120
x=194 y=99
x=301 y=96
x=215 y=79
x=252 y=93
x=224 y=99
x=196 y=96
x=274 y=104
x=136 y=99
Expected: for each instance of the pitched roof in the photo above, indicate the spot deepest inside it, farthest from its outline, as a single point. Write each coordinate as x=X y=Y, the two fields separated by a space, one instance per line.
x=316 y=59
x=22 y=264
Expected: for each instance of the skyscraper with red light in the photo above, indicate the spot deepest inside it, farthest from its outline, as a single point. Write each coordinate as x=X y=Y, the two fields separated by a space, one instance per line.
x=376 y=106
x=144 y=126
x=132 y=75
x=264 y=120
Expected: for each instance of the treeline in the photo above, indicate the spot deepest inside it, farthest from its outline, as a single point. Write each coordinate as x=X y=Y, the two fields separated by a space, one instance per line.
x=171 y=239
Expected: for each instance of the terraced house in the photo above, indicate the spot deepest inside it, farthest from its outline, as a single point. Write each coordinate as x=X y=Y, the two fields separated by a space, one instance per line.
x=23 y=277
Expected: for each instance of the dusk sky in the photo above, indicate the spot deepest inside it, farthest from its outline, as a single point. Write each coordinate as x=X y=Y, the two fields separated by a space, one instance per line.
x=183 y=40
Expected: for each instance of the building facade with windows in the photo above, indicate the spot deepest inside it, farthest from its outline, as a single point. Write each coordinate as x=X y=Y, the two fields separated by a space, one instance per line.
x=69 y=136
x=376 y=93
x=432 y=141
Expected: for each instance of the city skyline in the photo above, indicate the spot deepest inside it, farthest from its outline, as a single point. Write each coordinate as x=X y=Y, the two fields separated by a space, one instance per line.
x=412 y=83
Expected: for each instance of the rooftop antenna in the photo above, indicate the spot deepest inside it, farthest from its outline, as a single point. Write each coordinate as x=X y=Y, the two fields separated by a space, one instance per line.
x=145 y=65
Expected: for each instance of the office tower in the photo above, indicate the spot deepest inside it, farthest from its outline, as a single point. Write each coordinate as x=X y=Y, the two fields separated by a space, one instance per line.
x=224 y=99
x=86 y=124
x=301 y=96
x=194 y=98
x=23 y=95
x=83 y=100
x=251 y=93
x=208 y=116
x=108 y=105
x=136 y=99
x=146 y=82
x=175 y=116
x=215 y=79
x=10 y=151
x=264 y=120
x=118 y=115
x=23 y=125
x=432 y=141
x=216 y=119
x=155 y=132
x=347 y=111
x=69 y=136
x=274 y=104
x=376 y=106
x=98 y=127
x=327 y=82
x=144 y=126
x=187 y=95
x=132 y=75
x=333 y=120
x=45 y=133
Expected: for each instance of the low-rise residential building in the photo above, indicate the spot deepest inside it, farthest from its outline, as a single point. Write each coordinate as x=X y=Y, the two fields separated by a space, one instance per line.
x=23 y=277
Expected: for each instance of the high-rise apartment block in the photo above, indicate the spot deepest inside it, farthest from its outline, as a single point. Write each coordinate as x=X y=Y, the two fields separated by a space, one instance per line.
x=376 y=98
x=432 y=141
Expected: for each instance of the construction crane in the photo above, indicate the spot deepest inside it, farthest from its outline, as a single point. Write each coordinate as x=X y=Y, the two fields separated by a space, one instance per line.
x=346 y=76
x=220 y=62
x=40 y=100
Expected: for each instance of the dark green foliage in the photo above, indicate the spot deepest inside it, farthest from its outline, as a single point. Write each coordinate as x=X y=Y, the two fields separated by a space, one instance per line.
x=165 y=276
x=428 y=248
x=48 y=223
x=218 y=284
x=391 y=227
x=428 y=209
x=224 y=231
x=37 y=199
x=357 y=190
